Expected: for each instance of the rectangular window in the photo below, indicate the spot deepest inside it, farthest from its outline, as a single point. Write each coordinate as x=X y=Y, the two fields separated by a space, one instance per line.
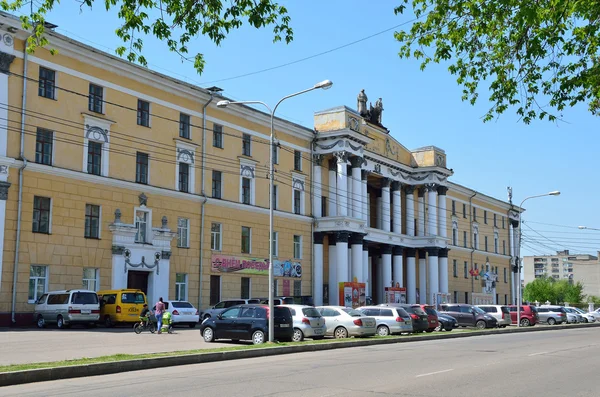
x=92 y=221
x=143 y=113
x=275 y=154
x=183 y=233
x=141 y=168
x=505 y=275
x=95 y=98
x=495 y=221
x=464 y=210
x=141 y=224
x=41 y=215
x=466 y=270
x=323 y=206
x=503 y=247
x=43 y=146
x=246 y=191
x=502 y=222
x=215 y=236
x=485 y=217
x=38 y=282
x=47 y=83
x=217 y=184
x=245 y=292
x=454 y=268
x=275 y=244
x=496 y=244
x=181 y=280
x=297 y=247
x=453 y=207
x=184 y=126
x=465 y=239
x=485 y=242
x=94 y=165
x=297 y=160
x=455 y=297
x=454 y=237
x=246 y=145
x=466 y=297
x=297 y=288
x=275 y=189
x=246 y=240
x=90 y=279
x=297 y=202
x=218 y=136
x=474 y=214
x=184 y=177
x=215 y=290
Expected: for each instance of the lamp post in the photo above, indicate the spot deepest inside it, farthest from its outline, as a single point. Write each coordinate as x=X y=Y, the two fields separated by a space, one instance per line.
x=326 y=84
x=518 y=259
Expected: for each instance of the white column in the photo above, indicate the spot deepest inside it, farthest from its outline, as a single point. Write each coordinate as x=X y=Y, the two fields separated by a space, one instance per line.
x=364 y=201
x=365 y=264
x=422 y=277
x=357 y=187
x=434 y=281
x=379 y=213
x=318 y=268
x=396 y=208
x=443 y=270
x=342 y=257
x=385 y=205
x=410 y=210
x=442 y=212
x=411 y=276
x=386 y=259
x=368 y=210
x=342 y=184
x=317 y=183
x=421 y=212
x=349 y=195
x=7 y=51
x=369 y=278
x=333 y=283
x=332 y=187
x=398 y=276
x=356 y=245
x=432 y=202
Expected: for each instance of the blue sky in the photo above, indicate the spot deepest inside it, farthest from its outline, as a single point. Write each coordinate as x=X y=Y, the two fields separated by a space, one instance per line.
x=421 y=108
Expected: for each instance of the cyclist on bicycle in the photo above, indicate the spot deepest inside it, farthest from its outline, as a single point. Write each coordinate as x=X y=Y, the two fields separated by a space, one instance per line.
x=144 y=315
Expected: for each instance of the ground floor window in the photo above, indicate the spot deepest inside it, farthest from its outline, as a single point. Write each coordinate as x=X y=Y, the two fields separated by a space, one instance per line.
x=90 y=279
x=38 y=282
x=466 y=297
x=181 y=281
x=297 y=288
x=245 y=291
x=215 y=290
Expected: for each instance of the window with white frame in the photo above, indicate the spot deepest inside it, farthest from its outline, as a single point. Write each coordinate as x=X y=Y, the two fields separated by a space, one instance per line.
x=92 y=221
x=297 y=247
x=90 y=279
x=185 y=168
x=454 y=268
x=181 y=287
x=142 y=224
x=475 y=236
x=246 y=240
x=503 y=247
x=246 y=190
x=496 y=242
x=465 y=239
x=298 y=196
x=96 y=99
x=247 y=182
x=96 y=150
x=42 y=211
x=38 y=282
x=275 y=199
x=297 y=160
x=183 y=233
x=215 y=236
x=454 y=233
x=247 y=145
x=275 y=244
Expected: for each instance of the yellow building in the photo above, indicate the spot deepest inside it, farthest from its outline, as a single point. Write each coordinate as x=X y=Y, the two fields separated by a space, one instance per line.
x=115 y=176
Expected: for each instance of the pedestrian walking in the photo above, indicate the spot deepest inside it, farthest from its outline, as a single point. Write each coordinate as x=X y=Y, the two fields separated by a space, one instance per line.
x=158 y=312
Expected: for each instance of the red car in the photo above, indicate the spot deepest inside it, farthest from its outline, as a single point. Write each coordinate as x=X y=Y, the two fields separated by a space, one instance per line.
x=529 y=315
x=432 y=317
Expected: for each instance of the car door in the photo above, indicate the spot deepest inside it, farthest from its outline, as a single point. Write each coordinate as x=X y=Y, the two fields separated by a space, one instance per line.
x=466 y=316
x=243 y=327
x=453 y=311
x=331 y=321
x=225 y=323
x=41 y=307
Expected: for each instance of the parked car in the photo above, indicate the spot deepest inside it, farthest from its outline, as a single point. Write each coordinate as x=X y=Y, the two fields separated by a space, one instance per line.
x=221 y=306
x=587 y=317
x=432 y=318
x=552 y=314
x=182 y=313
x=121 y=306
x=469 y=315
x=343 y=322
x=420 y=320
x=67 y=307
x=390 y=320
x=572 y=318
x=445 y=322
x=248 y=322
x=499 y=312
x=529 y=315
x=308 y=322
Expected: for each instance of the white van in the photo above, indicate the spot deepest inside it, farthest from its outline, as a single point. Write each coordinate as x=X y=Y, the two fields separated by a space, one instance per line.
x=499 y=312
x=67 y=307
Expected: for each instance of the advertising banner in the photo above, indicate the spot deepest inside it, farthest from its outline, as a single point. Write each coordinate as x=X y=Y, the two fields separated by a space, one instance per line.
x=481 y=299
x=245 y=265
x=352 y=294
x=394 y=295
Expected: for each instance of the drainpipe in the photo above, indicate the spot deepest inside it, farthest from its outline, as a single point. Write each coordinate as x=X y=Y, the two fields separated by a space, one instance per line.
x=314 y=219
x=201 y=265
x=472 y=245
x=20 y=199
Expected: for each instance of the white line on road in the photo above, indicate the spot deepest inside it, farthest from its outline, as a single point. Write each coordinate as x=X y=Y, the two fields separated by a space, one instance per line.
x=434 y=373
x=537 y=354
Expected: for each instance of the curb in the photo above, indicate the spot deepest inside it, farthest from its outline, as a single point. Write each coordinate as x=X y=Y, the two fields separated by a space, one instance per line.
x=79 y=371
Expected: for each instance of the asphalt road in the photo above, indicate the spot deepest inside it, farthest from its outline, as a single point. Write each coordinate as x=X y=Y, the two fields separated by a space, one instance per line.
x=555 y=363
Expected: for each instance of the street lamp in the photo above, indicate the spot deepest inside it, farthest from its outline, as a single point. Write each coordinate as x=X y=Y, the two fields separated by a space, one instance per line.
x=325 y=84
x=519 y=300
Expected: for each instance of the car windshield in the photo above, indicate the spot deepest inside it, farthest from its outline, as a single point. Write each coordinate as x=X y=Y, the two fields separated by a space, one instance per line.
x=84 y=298
x=353 y=312
x=418 y=310
x=310 y=312
x=133 y=297
x=478 y=310
x=182 y=305
x=505 y=310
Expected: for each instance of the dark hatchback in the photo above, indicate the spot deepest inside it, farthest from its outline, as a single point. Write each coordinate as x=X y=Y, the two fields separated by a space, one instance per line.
x=248 y=322
x=469 y=315
x=419 y=318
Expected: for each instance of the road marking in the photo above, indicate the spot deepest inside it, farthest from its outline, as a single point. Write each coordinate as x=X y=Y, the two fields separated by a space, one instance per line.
x=537 y=354
x=434 y=373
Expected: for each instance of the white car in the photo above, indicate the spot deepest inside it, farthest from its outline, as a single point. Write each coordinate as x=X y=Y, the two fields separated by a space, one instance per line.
x=343 y=322
x=587 y=317
x=182 y=312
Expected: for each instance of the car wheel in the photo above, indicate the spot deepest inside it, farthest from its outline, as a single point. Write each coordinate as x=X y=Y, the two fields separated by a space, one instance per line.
x=585 y=320
x=340 y=333
x=551 y=321
x=429 y=330
x=208 y=334
x=60 y=322
x=480 y=324
x=258 y=337
x=439 y=327
x=40 y=321
x=108 y=322
x=524 y=322
x=383 y=330
x=192 y=325
x=298 y=335
x=448 y=329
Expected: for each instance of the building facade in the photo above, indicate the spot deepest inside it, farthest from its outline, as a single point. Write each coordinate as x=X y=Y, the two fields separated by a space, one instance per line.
x=115 y=176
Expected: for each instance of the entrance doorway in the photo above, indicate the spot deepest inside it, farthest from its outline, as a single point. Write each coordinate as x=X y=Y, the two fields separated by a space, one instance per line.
x=138 y=280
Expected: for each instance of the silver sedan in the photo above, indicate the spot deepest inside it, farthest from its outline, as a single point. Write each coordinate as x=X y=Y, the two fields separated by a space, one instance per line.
x=343 y=322
x=308 y=322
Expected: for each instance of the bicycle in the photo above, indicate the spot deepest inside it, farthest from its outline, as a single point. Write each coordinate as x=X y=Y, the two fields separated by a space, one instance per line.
x=145 y=324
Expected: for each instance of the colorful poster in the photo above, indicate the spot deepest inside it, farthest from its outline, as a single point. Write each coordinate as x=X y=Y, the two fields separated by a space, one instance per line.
x=352 y=294
x=245 y=265
x=286 y=287
x=394 y=295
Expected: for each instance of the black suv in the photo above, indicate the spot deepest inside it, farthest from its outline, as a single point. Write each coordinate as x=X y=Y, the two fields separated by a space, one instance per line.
x=420 y=321
x=248 y=322
x=469 y=315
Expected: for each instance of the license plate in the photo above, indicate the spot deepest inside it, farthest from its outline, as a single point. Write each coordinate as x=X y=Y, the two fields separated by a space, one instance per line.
x=86 y=311
x=318 y=331
x=284 y=325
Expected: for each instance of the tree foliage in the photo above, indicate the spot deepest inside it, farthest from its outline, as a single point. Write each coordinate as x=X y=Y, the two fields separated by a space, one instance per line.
x=162 y=18
x=557 y=292
x=538 y=56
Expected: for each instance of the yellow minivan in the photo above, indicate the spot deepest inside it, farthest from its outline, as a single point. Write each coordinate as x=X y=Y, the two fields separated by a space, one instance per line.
x=120 y=306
